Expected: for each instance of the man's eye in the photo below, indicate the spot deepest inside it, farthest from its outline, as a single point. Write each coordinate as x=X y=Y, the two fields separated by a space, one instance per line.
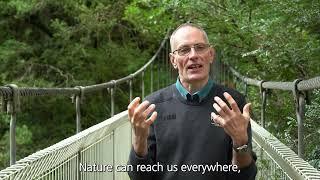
x=184 y=50
x=199 y=47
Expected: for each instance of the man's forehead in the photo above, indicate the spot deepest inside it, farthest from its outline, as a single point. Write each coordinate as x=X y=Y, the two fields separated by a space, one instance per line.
x=187 y=30
x=188 y=35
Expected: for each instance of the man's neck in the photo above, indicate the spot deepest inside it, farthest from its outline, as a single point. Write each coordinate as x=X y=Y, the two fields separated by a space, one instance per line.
x=193 y=87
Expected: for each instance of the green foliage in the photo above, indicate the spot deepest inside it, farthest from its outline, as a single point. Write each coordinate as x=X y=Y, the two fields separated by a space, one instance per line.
x=64 y=44
x=152 y=18
x=68 y=43
x=312 y=131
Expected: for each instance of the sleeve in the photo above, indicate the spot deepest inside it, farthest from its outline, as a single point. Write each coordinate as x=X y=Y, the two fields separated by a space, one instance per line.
x=249 y=172
x=137 y=161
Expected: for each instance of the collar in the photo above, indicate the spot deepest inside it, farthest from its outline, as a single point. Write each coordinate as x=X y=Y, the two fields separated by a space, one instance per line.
x=197 y=96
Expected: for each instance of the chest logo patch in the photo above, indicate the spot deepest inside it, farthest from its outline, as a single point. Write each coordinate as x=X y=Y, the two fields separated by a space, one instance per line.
x=168 y=117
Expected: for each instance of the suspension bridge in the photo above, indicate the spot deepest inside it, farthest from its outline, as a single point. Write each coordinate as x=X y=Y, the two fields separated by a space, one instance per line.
x=109 y=142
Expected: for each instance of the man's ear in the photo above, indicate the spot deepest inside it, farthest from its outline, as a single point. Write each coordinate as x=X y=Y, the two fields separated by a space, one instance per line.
x=173 y=61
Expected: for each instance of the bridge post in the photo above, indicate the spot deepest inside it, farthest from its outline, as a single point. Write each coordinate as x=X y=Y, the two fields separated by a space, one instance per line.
x=13 y=108
x=263 y=103
x=151 y=77
x=142 y=85
x=245 y=90
x=112 y=89
x=234 y=81
x=130 y=87
x=300 y=109
x=79 y=98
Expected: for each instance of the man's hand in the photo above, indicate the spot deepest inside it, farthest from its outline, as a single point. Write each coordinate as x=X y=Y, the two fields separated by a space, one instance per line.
x=232 y=120
x=138 y=114
x=235 y=124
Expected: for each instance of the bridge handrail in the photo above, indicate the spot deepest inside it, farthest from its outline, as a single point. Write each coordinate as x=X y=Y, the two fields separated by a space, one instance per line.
x=39 y=91
x=299 y=89
x=36 y=164
x=295 y=167
x=302 y=85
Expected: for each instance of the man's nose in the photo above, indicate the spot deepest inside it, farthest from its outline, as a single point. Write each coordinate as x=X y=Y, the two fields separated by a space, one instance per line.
x=193 y=52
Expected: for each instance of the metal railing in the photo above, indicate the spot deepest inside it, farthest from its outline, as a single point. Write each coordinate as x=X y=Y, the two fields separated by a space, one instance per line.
x=299 y=90
x=275 y=160
x=298 y=87
x=11 y=94
x=107 y=146
x=99 y=152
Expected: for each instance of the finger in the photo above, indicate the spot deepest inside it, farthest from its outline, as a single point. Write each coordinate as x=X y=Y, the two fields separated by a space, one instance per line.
x=246 y=111
x=148 y=110
x=212 y=120
x=217 y=119
x=232 y=102
x=152 y=118
x=138 y=113
x=219 y=110
x=222 y=104
x=131 y=107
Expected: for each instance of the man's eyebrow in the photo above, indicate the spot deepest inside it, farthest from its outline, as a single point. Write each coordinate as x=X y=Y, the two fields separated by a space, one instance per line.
x=184 y=46
x=189 y=45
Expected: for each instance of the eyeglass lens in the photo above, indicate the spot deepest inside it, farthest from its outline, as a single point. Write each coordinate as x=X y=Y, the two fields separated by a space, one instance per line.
x=199 y=48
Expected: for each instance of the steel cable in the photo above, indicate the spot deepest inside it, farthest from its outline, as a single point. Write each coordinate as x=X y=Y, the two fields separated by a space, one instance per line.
x=310 y=84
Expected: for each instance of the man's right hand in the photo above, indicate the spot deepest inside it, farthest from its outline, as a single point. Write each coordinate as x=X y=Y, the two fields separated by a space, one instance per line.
x=138 y=114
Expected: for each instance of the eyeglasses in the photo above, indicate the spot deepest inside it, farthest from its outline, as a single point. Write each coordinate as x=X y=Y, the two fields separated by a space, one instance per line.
x=199 y=48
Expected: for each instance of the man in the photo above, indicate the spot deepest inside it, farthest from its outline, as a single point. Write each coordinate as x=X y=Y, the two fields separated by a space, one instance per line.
x=193 y=128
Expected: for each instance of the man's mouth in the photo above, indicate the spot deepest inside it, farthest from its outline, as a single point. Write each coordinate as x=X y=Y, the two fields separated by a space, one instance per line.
x=194 y=66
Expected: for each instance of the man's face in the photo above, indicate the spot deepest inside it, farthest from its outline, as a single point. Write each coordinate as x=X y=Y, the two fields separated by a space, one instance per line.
x=193 y=67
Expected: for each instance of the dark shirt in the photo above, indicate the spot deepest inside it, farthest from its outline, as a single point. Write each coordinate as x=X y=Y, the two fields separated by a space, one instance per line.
x=183 y=135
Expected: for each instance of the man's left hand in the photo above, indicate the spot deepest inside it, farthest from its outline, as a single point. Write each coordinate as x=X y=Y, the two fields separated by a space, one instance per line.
x=231 y=119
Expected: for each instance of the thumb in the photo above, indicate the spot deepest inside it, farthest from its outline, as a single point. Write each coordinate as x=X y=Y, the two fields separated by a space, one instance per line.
x=246 y=111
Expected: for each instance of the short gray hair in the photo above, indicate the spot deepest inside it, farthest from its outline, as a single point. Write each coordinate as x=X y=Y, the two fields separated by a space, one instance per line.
x=187 y=25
